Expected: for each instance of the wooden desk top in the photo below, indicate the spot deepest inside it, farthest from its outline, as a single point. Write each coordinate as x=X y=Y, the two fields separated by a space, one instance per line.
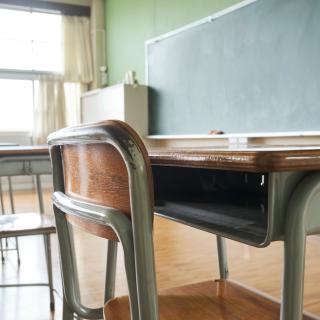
x=249 y=158
x=23 y=150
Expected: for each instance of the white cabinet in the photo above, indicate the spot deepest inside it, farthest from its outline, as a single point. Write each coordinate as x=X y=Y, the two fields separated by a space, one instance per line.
x=121 y=102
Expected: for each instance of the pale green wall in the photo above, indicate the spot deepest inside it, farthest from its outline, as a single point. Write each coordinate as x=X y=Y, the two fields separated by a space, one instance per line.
x=130 y=22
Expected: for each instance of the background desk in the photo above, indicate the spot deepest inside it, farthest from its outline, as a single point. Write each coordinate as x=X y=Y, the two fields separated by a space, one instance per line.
x=24 y=160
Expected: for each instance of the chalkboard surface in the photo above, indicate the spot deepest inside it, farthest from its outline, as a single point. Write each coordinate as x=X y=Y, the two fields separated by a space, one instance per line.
x=256 y=69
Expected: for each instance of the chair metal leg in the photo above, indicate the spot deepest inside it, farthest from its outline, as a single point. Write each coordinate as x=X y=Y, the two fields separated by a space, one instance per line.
x=47 y=245
x=111 y=270
x=2 y=212
x=67 y=314
x=71 y=293
x=145 y=277
x=129 y=263
x=222 y=257
x=1 y=249
x=13 y=210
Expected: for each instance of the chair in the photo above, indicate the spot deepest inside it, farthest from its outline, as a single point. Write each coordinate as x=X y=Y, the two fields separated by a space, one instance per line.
x=5 y=248
x=103 y=184
x=16 y=247
x=27 y=224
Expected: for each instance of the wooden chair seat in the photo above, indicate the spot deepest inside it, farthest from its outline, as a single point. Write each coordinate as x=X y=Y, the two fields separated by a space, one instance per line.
x=23 y=224
x=211 y=300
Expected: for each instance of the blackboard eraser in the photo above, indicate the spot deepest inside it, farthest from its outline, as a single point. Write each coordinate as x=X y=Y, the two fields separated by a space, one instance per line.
x=214 y=132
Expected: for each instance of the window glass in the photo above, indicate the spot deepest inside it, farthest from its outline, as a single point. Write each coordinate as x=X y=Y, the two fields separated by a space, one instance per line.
x=16 y=105
x=30 y=41
x=47 y=41
x=15 y=25
x=15 y=54
x=46 y=57
x=46 y=27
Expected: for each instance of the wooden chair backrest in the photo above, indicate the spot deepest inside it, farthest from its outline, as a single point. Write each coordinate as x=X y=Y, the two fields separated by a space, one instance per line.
x=96 y=173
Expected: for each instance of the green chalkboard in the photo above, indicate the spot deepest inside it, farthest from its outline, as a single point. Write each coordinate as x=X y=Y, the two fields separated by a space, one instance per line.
x=255 y=69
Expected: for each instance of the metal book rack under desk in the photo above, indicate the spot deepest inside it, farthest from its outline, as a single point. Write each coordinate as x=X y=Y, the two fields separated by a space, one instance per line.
x=243 y=206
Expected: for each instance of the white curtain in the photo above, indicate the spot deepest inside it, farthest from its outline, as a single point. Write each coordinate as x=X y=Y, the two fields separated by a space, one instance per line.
x=73 y=91
x=50 y=111
x=59 y=97
x=78 y=66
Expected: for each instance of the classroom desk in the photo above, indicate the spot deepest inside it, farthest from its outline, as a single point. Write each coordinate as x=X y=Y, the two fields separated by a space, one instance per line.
x=251 y=194
x=254 y=195
x=24 y=160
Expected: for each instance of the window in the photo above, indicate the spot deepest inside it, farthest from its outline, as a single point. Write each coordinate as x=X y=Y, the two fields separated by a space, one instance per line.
x=30 y=44
x=30 y=41
x=16 y=105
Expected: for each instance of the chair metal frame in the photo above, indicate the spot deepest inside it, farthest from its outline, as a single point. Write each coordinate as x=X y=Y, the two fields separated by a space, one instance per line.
x=135 y=235
x=47 y=247
x=5 y=248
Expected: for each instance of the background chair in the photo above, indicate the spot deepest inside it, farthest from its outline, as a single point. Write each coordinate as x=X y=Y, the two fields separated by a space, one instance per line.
x=5 y=248
x=103 y=184
x=26 y=224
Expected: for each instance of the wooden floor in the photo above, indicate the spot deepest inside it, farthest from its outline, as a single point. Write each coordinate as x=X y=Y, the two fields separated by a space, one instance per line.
x=183 y=255
x=206 y=300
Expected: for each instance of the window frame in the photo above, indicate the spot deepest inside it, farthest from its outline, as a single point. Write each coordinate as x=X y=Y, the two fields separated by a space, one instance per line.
x=48 y=7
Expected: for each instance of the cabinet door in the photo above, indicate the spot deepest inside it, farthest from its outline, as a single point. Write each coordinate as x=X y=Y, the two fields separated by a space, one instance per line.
x=88 y=107
x=111 y=103
x=103 y=104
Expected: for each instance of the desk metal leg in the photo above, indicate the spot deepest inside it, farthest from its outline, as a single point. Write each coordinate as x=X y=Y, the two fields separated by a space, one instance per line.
x=39 y=193
x=300 y=219
x=47 y=243
x=67 y=313
x=1 y=197
x=1 y=249
x=293 y=279
x=222 y=256
x=11 y=195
